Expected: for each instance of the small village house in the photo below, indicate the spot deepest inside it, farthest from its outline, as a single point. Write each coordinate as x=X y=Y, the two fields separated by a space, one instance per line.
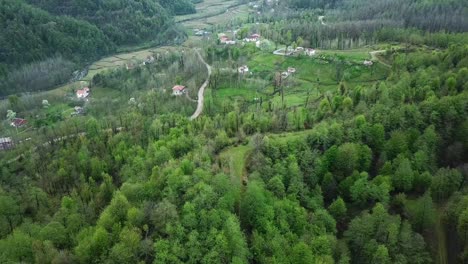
x=252 y=38
x=223 y=39
x=291 y=70
x=368 y=63
x=148 y=60
x=178 y=90
x=310 y=52
x=243 y=69
x=82 y=93
x=6 y=143
x=78 y=110
x=18 y=122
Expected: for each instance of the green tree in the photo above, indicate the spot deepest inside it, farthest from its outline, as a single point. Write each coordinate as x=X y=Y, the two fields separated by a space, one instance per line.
x=403 y=178
x=444 y=183
x=462 y=225
x=424 y=214
x=301 y=253
x=276 y=186
x=338 y=208
x=9 y=212
x=381 y=255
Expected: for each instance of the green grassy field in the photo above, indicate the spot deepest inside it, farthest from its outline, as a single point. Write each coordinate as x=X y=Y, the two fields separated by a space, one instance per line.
x=355 y=54
x=119 y=60
x=235 y=158
x=313 y=76
x=213 y=12
x=207 y=8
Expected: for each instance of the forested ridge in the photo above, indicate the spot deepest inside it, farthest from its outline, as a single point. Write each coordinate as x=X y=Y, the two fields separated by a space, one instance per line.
x=354 y=23
x=79 y=32
x=446 y=15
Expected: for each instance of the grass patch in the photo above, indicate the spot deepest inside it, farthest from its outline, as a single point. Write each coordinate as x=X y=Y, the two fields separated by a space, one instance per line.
x=101 y=93
x=232 y=93
x=235 y=158
x=353 y=54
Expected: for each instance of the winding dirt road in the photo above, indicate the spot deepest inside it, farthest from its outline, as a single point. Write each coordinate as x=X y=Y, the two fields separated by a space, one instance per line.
x=201 y=91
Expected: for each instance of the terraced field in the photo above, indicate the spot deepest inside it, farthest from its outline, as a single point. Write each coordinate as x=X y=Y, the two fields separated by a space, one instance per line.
x=211 y=12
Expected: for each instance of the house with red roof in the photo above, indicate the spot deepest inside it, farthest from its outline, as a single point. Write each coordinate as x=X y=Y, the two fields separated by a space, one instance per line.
x=253 y=38
x=82 y=93
x=18 y=122
x=178 y=90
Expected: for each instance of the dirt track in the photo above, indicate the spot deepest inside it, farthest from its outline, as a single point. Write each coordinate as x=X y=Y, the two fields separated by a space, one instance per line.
x=201 y=91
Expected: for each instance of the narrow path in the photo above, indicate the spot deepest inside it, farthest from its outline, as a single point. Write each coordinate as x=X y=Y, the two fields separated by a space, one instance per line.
x=201 y=91
x=376 y=58
x=190 y=98
x=442 y=256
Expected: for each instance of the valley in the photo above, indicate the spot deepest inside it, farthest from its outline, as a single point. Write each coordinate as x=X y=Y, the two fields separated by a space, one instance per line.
x=228 y=131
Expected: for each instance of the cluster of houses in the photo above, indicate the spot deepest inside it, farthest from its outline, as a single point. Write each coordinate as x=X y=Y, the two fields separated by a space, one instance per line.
x=223 y=39
x=305 y=51
x=200 y=32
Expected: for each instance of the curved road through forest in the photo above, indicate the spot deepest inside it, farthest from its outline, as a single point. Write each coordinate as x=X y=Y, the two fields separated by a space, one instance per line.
x=201 y=91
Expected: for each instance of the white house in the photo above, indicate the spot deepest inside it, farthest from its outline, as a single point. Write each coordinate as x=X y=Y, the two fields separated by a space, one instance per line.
x=178 y=90
x=310 y=52
x=243 y=69
x=368 y=63
x=252 y=38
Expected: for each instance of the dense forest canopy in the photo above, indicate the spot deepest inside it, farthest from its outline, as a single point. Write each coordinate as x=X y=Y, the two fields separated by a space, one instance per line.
x=447 y=15
x=79 y=32
x=30 y=34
